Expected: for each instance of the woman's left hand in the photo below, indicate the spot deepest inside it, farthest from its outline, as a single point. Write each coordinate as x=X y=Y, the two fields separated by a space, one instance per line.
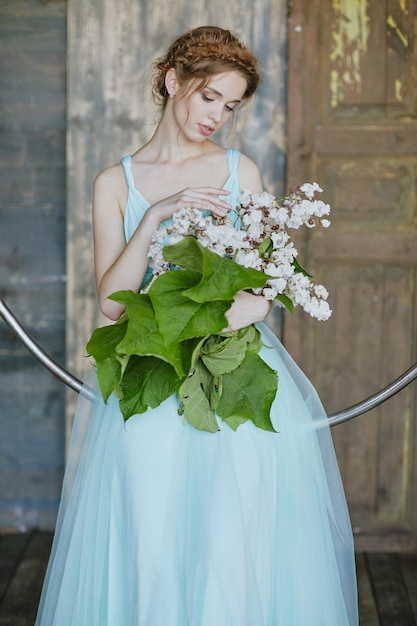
x=246 y=309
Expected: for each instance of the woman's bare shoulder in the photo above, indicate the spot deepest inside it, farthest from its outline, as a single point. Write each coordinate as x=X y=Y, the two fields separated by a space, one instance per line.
x=111 y=176
x=110 y=188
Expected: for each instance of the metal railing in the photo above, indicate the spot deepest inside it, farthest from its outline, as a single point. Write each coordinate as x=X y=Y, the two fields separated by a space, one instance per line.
x=74 y=383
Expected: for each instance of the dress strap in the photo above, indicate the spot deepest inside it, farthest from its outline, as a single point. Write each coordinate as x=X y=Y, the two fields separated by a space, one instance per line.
x=233 y=157
x=127 y=170
x=233 y=185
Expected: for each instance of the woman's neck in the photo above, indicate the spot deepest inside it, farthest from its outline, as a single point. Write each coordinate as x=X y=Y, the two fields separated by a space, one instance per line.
x=169 y=144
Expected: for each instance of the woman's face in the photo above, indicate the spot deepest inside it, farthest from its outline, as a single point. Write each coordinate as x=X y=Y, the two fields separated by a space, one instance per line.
x=203 y=112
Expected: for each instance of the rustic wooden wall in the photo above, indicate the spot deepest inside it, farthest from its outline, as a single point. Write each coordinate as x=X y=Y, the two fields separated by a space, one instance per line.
x=353 y=127
x=32 y=255
x=110 y=48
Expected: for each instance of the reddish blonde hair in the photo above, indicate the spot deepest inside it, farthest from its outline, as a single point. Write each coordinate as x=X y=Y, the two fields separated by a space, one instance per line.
x=201 y=53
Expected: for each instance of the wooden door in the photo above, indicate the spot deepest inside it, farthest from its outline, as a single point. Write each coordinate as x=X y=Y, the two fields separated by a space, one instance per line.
x=353 y=128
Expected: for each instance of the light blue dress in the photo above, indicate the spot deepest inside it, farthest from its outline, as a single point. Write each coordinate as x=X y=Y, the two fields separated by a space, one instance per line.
x=164 y=525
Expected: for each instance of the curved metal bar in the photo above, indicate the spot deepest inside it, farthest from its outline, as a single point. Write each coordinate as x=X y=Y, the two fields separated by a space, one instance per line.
x=42 y=356
x=75 y=384
x=373 y=401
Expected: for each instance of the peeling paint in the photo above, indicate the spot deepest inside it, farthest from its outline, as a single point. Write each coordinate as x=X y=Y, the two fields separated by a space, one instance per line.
x=349 y=43
x=334 y=81
x=403 y=6
x=392 y=23
x=398 y=90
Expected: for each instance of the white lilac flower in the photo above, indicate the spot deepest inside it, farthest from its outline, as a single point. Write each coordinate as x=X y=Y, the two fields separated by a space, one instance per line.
x=318 y=309
x=279 y=238
x=269 y=293
x=279 y=270
x=245 y=197
x=255 y=230
x=256 y=216
x=282 y=216
x=320 y=208
x=309 y=189
x=248 y=258
x=321 y=292
x=279 y=284
x=259 y=200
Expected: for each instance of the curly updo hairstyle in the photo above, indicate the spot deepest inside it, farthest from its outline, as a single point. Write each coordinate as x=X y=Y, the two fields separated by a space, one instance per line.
x=201 y=53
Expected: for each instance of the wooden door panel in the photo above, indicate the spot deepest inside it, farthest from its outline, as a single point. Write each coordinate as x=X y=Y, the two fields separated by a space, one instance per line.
x=371 y=66
x=365 y=189
x=353 y=128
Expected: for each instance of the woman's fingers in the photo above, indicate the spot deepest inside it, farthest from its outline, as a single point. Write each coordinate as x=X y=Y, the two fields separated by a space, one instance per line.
x=207 y=199
x=201 y=198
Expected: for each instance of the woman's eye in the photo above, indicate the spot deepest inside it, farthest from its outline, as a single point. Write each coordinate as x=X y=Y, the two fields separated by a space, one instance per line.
x=229 y=109
x=207 y=99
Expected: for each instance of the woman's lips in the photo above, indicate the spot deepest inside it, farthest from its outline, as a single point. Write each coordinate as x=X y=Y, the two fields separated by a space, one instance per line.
x=205 y=130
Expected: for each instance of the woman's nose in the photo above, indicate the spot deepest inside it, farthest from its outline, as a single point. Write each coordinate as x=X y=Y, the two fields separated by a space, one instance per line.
x=216 y=113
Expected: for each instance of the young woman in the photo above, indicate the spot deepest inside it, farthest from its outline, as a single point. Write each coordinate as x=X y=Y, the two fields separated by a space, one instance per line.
x=161 y=524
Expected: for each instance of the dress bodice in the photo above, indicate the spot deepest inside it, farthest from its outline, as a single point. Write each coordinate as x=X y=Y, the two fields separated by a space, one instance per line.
x=137 y=204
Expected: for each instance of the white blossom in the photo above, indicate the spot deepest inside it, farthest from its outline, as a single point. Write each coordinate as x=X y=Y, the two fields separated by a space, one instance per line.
x=321 y=292
x=309 y=189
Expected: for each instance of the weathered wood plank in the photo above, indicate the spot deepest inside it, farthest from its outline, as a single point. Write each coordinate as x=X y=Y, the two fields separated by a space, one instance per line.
x=391 y=595
x=12 y=547
x=32 y=256
x=19 y=605
x=24 y=557
x=408 y=563
x=367 y=606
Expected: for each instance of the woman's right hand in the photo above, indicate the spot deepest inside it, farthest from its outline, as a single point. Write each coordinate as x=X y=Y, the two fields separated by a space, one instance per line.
x=202 y=198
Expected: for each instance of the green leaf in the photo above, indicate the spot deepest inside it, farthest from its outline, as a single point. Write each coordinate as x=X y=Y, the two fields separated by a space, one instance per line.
x=235 y=421
x=215 y=392
x=265 y=246
x=187 y=253
x=102 y=347
x=222 y=354
x=221 y=277
x=194 y=402
x=104 y=340
x=109 y=373
x=253 y=337
x=286 y=302
x=143 y=336
x=248 y=392
x=147 y=382
x=180 y=318
x=196 y=352
x=300 y=269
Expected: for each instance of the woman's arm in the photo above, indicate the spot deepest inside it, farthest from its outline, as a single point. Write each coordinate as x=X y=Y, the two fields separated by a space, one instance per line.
x=117 y=265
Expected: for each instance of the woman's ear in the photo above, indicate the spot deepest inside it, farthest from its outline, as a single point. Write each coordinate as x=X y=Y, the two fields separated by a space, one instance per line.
x=171 y=82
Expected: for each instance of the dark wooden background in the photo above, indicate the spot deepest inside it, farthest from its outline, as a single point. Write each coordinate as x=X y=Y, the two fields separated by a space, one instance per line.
x=32 y=255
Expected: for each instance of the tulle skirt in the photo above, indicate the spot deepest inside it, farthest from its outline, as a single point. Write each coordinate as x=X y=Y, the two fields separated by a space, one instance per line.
x=164 y=525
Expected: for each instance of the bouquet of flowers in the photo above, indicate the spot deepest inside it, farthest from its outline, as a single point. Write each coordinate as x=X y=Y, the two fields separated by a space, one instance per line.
x=171 y=338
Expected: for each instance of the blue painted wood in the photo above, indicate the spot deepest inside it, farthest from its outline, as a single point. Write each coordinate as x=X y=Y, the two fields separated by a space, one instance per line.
x=32 y=256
